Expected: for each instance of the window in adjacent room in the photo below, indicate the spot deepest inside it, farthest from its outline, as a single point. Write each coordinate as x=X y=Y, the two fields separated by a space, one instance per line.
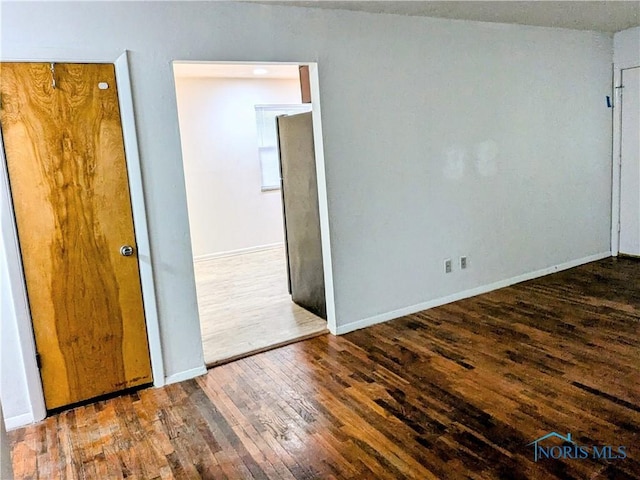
x=268 y=140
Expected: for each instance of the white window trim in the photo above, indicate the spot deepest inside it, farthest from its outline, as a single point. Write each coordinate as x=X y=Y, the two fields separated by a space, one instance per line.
x=268 y=147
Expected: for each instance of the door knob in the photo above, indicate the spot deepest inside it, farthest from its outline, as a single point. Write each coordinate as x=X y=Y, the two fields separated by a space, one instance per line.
x=126 y=250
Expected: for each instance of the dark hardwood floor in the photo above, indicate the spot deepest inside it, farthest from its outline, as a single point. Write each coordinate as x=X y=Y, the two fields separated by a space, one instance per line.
x=454 y=392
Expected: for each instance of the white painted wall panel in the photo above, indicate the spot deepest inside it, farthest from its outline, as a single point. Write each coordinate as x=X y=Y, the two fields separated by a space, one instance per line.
x=630 y=163
x=627 y=48
x=626 y=56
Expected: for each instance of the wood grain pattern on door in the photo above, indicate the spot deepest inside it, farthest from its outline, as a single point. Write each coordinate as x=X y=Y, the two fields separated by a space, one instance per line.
x=67 y=171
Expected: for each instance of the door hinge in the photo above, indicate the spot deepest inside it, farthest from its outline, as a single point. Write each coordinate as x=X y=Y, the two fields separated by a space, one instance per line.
x=618 y=227
x=39 y=360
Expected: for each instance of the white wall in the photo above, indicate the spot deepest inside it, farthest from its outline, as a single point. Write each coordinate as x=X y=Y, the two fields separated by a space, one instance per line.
x=441 y=138
x=227 y=209
x=627 y=48
x=626 y=54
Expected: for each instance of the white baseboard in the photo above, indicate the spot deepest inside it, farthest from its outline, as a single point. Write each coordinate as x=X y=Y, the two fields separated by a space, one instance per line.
x=186 y=375
x=231 y=253
x=17 y=421
x=11 y=423
x=366 y=322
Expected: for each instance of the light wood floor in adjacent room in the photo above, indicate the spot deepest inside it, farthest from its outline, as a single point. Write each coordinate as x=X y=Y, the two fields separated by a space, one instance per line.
x=456 y=392
x=245 y=306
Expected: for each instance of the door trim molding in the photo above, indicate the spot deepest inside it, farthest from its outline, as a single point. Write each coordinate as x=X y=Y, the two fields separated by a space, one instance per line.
x=12 y=249
x=323 y=200
x=138 y=206
x=24 y=327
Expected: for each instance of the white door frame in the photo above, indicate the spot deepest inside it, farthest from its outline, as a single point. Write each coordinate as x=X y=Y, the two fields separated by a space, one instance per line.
x=323 y=202
x=617 y=160
x=11 y=243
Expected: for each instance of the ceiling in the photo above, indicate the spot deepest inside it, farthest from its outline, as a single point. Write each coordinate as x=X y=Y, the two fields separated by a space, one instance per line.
x=604 y=16
x=234 y=70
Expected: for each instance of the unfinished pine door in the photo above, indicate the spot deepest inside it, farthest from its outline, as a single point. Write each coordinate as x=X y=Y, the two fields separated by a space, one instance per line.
x=67 y=171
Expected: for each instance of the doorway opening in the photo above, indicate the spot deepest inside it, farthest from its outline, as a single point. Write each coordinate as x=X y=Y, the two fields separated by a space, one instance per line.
x=227 y=116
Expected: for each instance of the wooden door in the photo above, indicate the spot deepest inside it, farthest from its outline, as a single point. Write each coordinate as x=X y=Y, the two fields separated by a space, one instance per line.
x=630 y=163
x=67 y=171
x=301 y=212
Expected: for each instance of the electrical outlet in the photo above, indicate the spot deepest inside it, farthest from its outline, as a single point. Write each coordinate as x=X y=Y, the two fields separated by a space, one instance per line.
x=463 y=263
x=447 y=265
